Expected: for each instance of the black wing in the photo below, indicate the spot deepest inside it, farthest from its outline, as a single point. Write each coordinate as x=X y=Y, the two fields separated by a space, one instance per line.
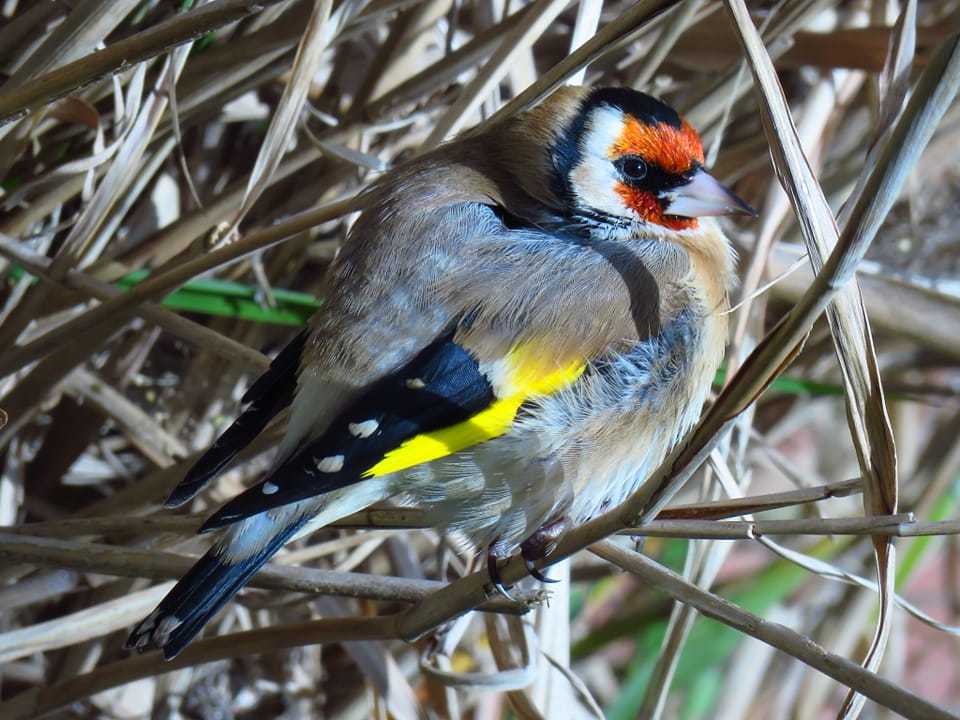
x=442 y=386
x=271 y=393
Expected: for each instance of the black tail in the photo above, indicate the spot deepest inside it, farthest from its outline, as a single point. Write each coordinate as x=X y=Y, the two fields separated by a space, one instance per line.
x=270 y=394
x=207 y=587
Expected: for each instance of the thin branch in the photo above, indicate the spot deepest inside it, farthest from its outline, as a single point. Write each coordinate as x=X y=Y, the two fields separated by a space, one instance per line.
x=161 y=283
x=124 y=54
x=759 y=503
x=607 y=38
x=408 y=518
x=110 y=560
x=779 y=636
x=372 y=518
x=181 y=327
x=900 y=525
x=39 y=701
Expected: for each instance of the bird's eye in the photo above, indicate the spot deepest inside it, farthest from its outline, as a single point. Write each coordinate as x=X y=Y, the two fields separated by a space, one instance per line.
x=633 y=168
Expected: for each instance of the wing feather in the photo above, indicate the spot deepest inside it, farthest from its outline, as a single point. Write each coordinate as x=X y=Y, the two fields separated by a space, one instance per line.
x=493 y=421
x=438 y=404
x=269 y=394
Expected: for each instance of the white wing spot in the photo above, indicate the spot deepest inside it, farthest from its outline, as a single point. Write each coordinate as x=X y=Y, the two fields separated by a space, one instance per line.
x=363 y=429
x=270 y=488
x=416 y=384
x=331 y=464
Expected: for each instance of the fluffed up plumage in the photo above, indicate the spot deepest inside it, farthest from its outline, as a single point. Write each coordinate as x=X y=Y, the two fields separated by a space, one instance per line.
x=519 y=327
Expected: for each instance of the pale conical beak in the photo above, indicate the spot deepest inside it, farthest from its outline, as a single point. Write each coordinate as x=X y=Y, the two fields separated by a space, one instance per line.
x=704 y=196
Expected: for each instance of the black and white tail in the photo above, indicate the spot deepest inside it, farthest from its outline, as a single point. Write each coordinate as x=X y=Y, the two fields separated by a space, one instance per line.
x=242 y=549
x=200 y=594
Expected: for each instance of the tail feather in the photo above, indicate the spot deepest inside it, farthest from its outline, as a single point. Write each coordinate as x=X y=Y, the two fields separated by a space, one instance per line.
x=200 y=594
x=244 y=548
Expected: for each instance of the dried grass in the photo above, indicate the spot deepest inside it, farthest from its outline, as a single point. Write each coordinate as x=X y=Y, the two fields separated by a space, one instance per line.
x=227 y=140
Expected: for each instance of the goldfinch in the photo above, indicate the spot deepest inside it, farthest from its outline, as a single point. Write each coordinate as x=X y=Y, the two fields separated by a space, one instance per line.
x=518 y=328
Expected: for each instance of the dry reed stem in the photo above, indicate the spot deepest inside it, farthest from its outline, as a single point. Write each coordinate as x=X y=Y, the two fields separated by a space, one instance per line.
x=179 y=326
x=406 y=518
x=453 y=600
x=867 y=414
x=40 y=701
x=35 y=703
x=91 y=622
x=526 y=31
x=794 y=644
x=315 y=39
x=124 y=562
x=161 y=283
x=900 y=525
x=123 y=55
x=144 y=431
x=606 y=39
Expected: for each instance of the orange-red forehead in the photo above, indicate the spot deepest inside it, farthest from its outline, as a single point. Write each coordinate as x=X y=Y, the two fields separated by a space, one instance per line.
x=673 y=149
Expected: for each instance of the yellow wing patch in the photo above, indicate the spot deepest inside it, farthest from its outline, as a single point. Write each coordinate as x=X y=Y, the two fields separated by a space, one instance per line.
x=526 y=378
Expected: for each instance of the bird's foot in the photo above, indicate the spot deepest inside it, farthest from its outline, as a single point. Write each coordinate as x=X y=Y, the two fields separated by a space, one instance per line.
x=495 y=553
x=539 y=545
x=535 y=573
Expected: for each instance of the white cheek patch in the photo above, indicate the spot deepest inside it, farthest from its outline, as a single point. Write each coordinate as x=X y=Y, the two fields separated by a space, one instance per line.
x=594 y=178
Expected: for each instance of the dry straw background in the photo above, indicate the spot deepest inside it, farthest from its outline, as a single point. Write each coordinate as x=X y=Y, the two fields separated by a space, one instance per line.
x=176 y=176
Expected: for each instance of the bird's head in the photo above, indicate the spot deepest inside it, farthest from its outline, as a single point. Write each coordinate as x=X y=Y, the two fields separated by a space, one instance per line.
x=619 y=156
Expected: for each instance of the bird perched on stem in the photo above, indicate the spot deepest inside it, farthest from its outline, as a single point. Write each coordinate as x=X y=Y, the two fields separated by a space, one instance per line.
x=519 y=327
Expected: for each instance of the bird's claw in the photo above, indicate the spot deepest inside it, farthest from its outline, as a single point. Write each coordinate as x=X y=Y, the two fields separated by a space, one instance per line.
x=540 y=545
x=494 y=572
x=536 y=573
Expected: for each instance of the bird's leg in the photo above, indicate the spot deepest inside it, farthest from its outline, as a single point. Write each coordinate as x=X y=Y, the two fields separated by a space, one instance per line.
x=495 y=553
x=540 y=544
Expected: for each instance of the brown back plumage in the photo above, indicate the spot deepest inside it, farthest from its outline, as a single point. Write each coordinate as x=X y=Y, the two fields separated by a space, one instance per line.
x=428 y=253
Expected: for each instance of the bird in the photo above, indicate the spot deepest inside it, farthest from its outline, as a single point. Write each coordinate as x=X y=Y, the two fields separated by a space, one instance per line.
x=518 y=327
